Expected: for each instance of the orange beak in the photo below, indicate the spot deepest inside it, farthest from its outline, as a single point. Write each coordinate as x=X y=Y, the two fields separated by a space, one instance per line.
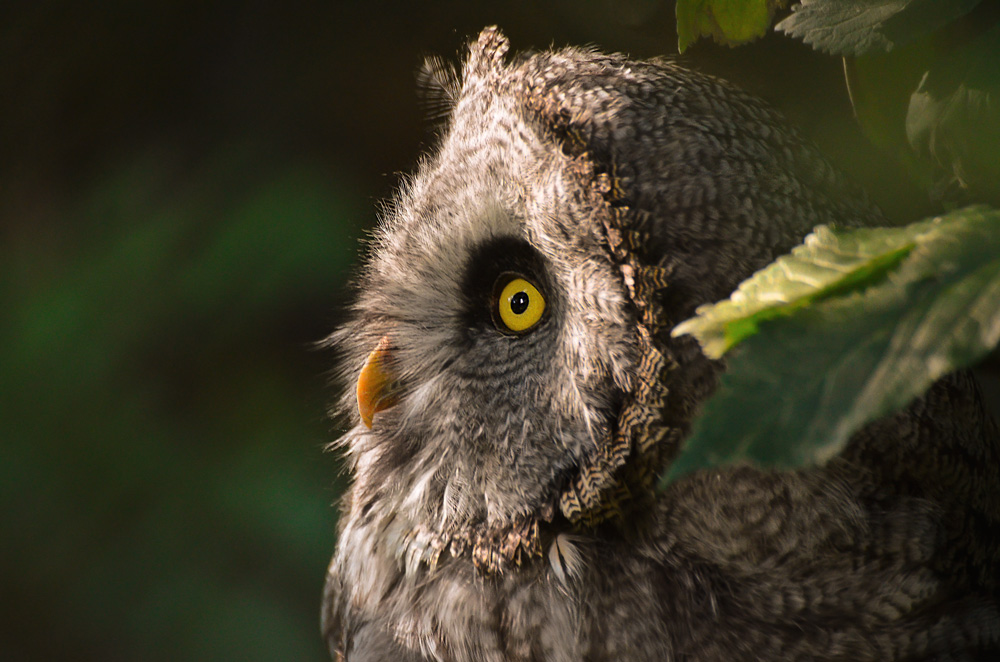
x=375 y=383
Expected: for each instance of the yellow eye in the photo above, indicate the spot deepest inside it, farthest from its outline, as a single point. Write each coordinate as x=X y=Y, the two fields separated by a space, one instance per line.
x=520 y=305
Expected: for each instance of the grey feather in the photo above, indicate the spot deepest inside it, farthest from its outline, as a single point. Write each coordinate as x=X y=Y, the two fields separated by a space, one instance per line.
x=501 y=507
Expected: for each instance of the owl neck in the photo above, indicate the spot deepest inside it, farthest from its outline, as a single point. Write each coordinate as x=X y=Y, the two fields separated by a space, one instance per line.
x=423 y=511
x=424 y=508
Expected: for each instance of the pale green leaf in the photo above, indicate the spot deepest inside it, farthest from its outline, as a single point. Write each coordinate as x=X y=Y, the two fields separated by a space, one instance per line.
x=835 y=353
x=829 y=262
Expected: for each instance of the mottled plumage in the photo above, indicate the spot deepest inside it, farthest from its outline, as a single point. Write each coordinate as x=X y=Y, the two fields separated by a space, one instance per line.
x=502 y=504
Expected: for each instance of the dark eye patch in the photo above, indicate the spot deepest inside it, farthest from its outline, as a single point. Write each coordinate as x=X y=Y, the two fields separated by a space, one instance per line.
x=487 y=262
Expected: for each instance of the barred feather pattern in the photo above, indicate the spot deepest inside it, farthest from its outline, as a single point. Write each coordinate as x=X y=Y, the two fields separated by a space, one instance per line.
x=503 y=508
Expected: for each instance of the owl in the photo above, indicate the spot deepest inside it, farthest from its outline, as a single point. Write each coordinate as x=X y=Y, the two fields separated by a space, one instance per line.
x=515 y=392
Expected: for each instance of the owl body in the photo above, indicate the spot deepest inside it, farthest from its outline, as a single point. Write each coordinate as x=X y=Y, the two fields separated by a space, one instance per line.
x=513 y=359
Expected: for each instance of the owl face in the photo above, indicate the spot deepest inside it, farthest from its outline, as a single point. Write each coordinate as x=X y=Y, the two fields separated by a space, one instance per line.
x=491 y=346
x=511 y=341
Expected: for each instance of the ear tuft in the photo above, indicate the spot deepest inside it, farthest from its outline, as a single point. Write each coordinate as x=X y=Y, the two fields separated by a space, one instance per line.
x=486 y=53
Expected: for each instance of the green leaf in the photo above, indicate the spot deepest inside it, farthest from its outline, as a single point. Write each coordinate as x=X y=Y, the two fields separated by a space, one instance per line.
x=826 y=355
x=855 y=27
x=830 y=262
x=729 y=22
x=953 y=118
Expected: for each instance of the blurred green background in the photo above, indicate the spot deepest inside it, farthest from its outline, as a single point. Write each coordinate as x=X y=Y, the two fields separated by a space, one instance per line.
x=183 y=187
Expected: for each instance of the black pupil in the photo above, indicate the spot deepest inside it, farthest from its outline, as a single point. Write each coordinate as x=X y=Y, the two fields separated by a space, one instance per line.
x=519 y=303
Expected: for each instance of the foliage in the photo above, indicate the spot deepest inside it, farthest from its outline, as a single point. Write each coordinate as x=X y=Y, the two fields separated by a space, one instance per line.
x=850 y=326
x=729 y=22
x=921 y=74
x=854 y=324
x=856 y=27
x=953 y=117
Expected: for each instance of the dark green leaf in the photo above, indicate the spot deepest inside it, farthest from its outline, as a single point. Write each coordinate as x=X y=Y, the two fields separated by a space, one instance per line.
x=954 y=118
x=911 y=305
x=729 y=22
x=855 y=27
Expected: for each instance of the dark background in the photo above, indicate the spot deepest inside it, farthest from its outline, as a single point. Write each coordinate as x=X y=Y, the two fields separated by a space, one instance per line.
x=183 y=187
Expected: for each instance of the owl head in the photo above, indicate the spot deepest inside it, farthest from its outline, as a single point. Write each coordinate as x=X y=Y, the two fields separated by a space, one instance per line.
x=509 y=356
